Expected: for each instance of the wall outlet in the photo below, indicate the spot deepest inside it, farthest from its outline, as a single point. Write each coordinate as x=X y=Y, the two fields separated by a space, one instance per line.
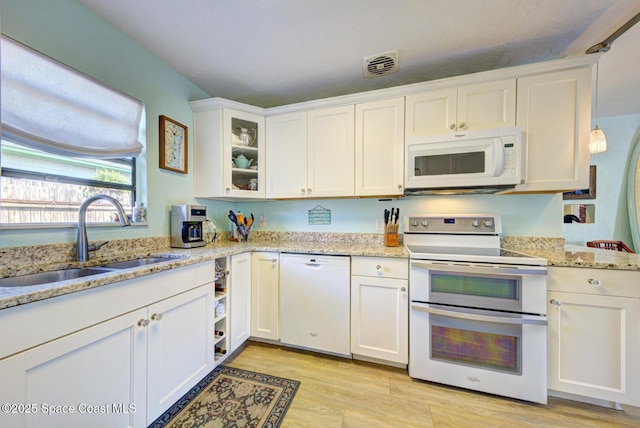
x=262 y=220
x=379 y=225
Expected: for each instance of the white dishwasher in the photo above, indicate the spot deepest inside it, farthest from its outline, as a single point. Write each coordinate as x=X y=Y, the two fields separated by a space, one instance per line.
x=315 y=302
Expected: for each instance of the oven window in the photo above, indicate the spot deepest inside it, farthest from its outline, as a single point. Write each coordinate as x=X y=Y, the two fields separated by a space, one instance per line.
x=494 y=287
x=450 y=164
x=477 y=347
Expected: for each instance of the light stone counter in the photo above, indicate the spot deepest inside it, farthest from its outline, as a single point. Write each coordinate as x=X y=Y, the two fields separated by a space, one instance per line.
x=24 y=260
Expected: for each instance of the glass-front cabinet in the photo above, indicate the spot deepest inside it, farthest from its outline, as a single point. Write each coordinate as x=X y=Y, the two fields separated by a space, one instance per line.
x=229 y=150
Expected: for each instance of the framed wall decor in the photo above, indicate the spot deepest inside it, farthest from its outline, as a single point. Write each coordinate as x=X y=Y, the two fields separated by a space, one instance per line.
x=589 y=193
x=173 y=145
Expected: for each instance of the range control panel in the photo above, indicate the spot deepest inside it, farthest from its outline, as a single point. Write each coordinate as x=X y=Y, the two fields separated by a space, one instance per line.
x=485 y=224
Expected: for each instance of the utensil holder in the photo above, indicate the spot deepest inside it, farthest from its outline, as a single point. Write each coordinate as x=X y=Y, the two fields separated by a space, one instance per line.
x=391 y=239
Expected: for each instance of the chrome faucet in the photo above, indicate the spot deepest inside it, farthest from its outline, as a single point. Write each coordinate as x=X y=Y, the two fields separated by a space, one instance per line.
x=83 y=244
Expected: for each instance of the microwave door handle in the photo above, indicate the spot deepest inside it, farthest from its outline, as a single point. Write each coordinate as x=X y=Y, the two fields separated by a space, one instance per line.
x=499 y=156
x=477 y=317
x=478 y=269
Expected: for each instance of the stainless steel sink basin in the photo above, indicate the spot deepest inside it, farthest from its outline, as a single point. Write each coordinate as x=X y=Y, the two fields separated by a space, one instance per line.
x=52 y=276
x=138 y=262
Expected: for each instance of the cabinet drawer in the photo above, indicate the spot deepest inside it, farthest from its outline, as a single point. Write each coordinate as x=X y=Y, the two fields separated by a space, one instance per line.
x=381 y=267
x=604 y=282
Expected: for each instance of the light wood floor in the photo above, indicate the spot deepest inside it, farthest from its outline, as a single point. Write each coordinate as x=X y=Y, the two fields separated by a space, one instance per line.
x=337 y=392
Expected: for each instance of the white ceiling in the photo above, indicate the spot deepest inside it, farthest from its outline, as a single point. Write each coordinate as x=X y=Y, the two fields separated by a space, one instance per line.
x=275 y=52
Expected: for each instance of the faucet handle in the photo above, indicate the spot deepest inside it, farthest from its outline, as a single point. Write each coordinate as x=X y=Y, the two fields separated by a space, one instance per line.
x=96 y=247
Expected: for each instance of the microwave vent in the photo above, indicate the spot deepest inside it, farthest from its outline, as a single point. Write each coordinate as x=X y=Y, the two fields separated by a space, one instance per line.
x=380 y=64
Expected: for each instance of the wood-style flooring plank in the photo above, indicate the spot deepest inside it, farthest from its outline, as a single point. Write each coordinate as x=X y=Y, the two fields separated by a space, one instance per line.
x=342 y=393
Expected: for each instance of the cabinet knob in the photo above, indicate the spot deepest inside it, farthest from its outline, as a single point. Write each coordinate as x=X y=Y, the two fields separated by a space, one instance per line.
x=143 y=323
x=399 y=186
x=274 y=261
x=462 y=125
x=227 y=190
x=378 y=267
x=309 y=190
x=156 y=317
x=302 y=190
x=555 y=302
x=403 y=289
x=594 y=282
x=452 y=126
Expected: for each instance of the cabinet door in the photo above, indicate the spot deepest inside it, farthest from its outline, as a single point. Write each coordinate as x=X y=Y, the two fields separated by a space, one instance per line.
x=103 y=365
x=554 y=112
x=380 y=318
x=379 y=161
x=207 y=148
x=265 y=275
x=287 y=155
x=240 y=300
x=243 y=152
x=431 y=113
x=180 y=347
x=331 y=152
x=487 y=105
x=594 y=346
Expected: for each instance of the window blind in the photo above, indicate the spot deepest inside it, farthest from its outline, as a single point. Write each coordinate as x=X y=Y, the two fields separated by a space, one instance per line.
x=50 y=106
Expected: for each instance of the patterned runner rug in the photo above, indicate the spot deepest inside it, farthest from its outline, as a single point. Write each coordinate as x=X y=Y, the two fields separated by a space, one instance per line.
x=229 y=397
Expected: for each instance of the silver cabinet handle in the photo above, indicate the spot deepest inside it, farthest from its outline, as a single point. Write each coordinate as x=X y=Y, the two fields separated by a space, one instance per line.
x=452 y=126
x=143 y=323
x=594 y=282
x=555 y=302
x=462 y=125
x=156 y=317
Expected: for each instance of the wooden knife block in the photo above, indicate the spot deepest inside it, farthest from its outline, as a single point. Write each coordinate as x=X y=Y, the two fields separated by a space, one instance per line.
x=391 y=239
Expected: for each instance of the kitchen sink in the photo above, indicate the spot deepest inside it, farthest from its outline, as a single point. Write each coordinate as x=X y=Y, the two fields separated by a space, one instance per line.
x=138 y=262
x=72 y=273
x=51 y=276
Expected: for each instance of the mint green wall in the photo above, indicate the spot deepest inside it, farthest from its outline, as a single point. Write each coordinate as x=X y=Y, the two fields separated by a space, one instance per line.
x=522 y=215
x=69 y=32
x=611 y=216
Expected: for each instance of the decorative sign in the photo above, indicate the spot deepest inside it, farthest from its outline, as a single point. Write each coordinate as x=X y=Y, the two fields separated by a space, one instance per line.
x=319 y=215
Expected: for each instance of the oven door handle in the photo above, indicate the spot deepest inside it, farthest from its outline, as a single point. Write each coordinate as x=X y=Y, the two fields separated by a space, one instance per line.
x=476 y=317
x=478 y=269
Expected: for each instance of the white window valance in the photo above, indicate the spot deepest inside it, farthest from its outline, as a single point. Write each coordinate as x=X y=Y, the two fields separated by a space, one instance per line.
x=50 y=106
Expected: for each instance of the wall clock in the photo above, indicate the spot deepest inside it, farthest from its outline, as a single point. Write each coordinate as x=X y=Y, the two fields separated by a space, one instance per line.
x=173 y=145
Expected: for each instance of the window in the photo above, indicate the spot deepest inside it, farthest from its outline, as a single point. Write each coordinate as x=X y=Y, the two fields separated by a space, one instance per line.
x=65 y=137
x=40 y=187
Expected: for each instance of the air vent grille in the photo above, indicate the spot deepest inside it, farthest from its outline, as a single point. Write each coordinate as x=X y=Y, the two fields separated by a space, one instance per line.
x=380 y=64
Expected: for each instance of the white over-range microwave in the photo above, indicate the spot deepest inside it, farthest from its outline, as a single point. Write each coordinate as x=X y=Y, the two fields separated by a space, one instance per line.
x=480 y=161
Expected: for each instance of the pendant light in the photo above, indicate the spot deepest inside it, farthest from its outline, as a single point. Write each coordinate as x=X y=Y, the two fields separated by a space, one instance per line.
x=597 y=140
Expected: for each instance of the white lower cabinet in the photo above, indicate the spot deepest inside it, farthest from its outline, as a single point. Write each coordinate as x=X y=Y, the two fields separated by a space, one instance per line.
x=265 y=277
x=380 y=309
x=240 y=300
x=179 y=347
x=593 y=339
x=112 y=369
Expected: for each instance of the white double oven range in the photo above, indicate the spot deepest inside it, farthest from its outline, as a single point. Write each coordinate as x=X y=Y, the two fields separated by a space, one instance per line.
x=478 y=313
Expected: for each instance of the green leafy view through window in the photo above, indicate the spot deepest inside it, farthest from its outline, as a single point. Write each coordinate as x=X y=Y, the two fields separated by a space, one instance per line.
x=39 y=187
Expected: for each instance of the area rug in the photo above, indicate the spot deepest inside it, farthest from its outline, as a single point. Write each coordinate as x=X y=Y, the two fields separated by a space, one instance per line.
x=229 y=397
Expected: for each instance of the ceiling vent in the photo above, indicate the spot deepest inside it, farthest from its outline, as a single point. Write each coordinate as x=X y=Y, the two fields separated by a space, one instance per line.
x=380 y=64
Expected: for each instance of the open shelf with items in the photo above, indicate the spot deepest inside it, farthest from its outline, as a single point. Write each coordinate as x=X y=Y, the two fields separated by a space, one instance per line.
x=221 y=307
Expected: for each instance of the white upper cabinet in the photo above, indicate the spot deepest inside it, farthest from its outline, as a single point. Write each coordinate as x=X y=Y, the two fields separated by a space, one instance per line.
x=287 y=155
x=379 y=156
x=311 y=153
x=554 y=112
x=466 y=108
x=229 y=152
x=331 y=152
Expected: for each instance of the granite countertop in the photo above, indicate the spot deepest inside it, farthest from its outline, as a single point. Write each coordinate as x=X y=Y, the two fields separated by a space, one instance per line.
x=14 y=296
x=556 y=255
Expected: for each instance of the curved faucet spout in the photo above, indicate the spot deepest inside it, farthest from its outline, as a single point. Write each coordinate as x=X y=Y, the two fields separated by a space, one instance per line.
x=83 y=244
